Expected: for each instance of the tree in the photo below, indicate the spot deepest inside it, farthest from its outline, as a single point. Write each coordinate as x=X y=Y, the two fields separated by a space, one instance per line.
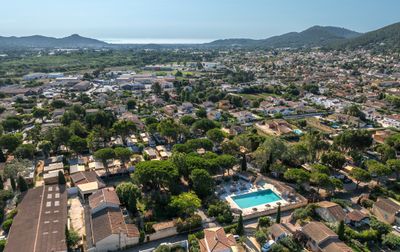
x=360 y=175
x=243 y=164
x=39 y=112
x=320 y=179
x=11 y=124
x=269 y=152
x=122 y=153
x=1 y=183
x=13 y=184
x=300 y=176
x=61 y=136
x=22 y=185
x=124 y=128
x=333 y=159
x=104 y=155
x=130 y=104
x=169 y=128
x=203 y=183
x=2 y=157
x=387 y=152
x=354 y=140
x=392 y=241
x=128 y=193
x=45 y=146
x=15 y=167
x=61 y=178
x=77 y=144
x=341 y=230
x=394 y=165
x=72 y=237
x=201 y=113
x=378 y=169
x=156 y=88
x=156 y=174
x=240 y=226
x=278 y=215
x=10 y=142
x=187 y=120
x=166 y=96
x=25 y=151
x=216 y=135
x=185 y=203
x=204 y=125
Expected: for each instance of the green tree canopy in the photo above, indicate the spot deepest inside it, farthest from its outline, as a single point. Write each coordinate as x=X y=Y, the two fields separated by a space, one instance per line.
x=185 y=203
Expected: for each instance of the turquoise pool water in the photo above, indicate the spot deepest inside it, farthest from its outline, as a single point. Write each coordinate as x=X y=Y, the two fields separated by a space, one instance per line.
x=255 y=198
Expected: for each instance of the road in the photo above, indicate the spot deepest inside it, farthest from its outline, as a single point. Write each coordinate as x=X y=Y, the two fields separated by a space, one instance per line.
x=154 y=244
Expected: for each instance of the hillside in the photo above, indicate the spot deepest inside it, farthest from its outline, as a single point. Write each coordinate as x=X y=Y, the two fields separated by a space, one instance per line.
x=314 y=36
x=37 y=41
x=387 y=37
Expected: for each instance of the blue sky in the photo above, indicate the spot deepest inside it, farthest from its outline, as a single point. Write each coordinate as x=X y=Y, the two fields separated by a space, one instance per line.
x=189 y=19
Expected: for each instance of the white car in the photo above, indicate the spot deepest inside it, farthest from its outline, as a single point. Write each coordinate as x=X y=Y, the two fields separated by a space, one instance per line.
x=267 y=246
x=397 y=228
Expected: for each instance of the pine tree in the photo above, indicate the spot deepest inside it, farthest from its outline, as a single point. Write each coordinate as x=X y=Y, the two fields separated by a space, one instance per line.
x=240 y=227
x=13 y=185
x=341 y=230
x=61 y=178
x=244 y=162
x=22 y=185
x=278 y=214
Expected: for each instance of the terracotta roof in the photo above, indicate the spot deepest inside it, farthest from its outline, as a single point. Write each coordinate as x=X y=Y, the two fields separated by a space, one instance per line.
x=110 y=221
x=216 y=240
x=277 y=229
x=387 y=205
x=334 y=209
x=356 y=215
x=40 y=222
x=80 y=178
x=164 y=225
x=336 y=246
x=105 y=195
x=318 y=232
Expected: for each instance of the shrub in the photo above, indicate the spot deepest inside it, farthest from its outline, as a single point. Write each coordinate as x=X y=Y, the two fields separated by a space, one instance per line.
x=7 y=225
x=261 y=237
x=264 y=221
x=392 y=241
x=193 y=222
x=221 y=211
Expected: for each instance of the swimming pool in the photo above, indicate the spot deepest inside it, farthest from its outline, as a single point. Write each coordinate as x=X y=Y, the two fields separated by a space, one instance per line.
x=255 y=198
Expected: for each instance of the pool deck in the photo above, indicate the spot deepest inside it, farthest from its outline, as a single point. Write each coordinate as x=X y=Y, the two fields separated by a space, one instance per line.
x=289 y=198
x=262 y=207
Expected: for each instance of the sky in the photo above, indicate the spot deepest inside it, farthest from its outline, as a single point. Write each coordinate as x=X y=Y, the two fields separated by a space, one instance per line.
x=189 y=20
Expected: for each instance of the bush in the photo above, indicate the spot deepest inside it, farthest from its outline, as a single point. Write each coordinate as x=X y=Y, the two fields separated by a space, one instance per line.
x=12 y=214
x=148 y=227
x=261 y=237
x=7 y=225
x=264 y=221
x=392 y=241
x=194 y=245
x=221 y=211
x=2 y=245
x=193 y=222
x=367 y=203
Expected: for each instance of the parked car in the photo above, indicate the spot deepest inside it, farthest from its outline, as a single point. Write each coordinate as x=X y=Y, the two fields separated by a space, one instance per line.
x=267 y=246
x=397 y=228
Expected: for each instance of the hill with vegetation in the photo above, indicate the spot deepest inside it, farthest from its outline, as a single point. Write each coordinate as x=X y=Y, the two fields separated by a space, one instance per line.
x=37 y=41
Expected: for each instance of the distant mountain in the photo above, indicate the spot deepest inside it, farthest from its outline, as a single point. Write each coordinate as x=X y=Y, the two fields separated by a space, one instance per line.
x=37 y=41
x=314 y=36
x=387 y=37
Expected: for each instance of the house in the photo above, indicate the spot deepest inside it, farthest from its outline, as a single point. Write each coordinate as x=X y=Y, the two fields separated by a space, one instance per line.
x=356 y=218
x=87 y=182
x=216 y=240
x=81 y=86
x=187 y=107
x=51 y=177
x=330 y=211
x=387 y=210
x=103 y=198
x=214 y=115
x=110 y=232
x=47 y=204
x=76 y=168
x=224 y=104
x=322 y=239
x=278 y=232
